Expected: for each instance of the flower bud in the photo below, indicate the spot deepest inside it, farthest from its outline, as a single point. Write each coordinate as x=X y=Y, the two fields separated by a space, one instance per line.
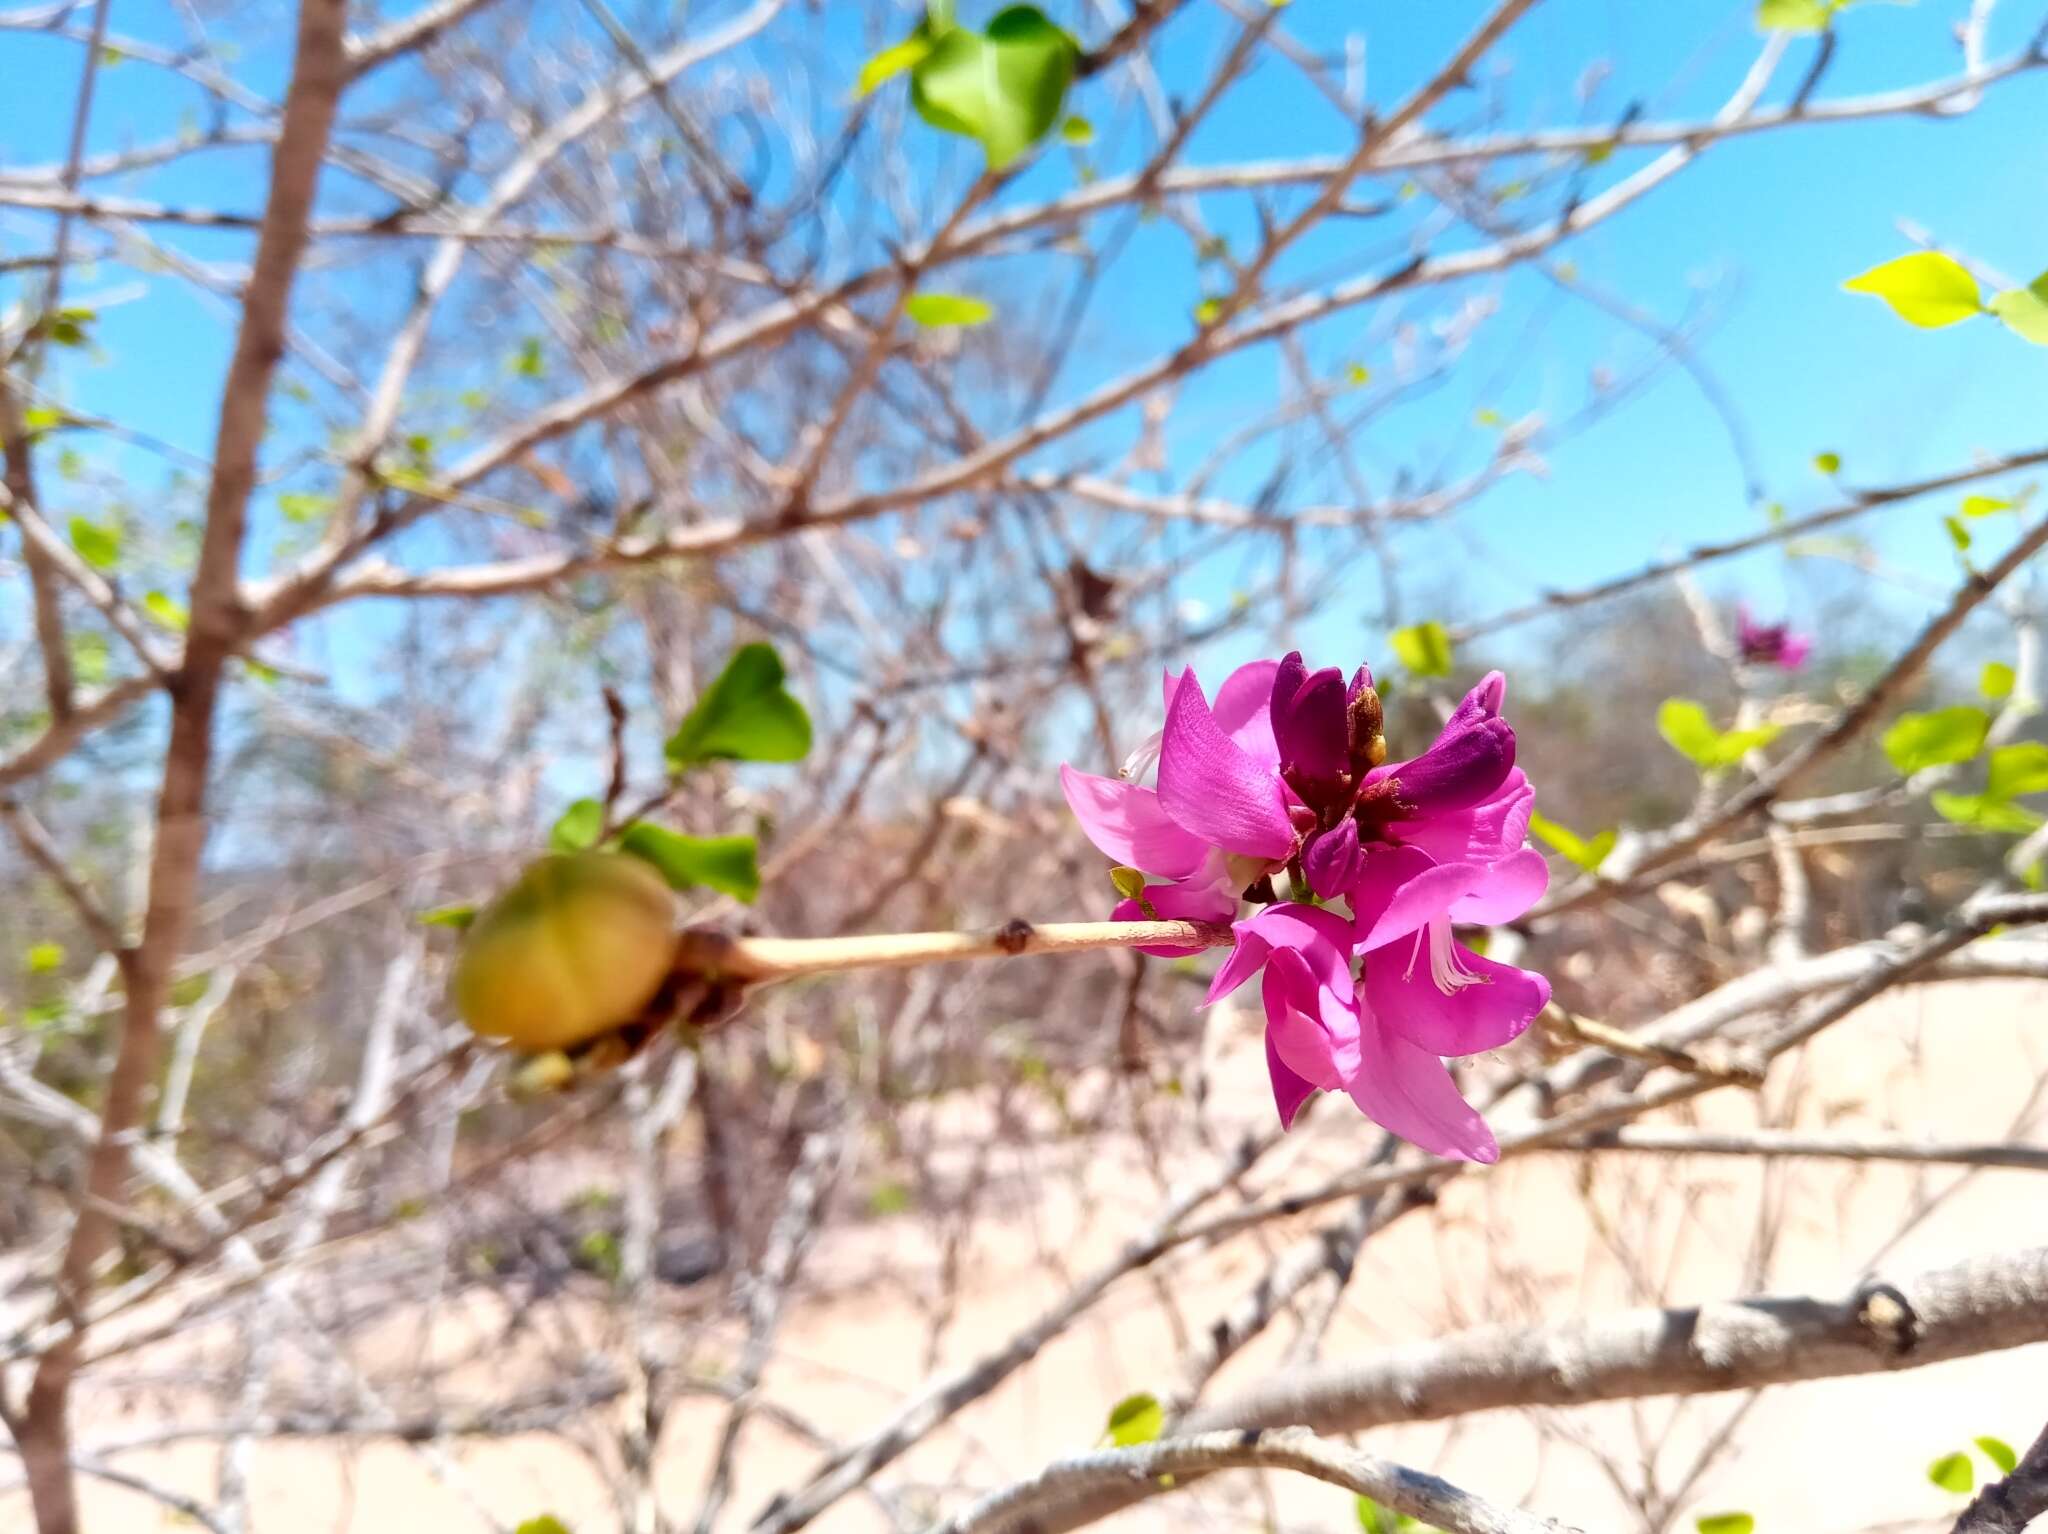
x=577 y=948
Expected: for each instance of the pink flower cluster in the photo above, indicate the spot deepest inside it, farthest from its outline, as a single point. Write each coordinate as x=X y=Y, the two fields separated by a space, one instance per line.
x=1770 y=644
x=1366 y=987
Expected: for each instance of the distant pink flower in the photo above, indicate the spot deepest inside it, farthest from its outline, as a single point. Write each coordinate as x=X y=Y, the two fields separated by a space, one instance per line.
x=1287 y=771
x=1770 y=644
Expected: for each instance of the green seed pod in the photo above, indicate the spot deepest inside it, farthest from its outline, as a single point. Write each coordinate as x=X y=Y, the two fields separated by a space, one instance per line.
x=576 y=948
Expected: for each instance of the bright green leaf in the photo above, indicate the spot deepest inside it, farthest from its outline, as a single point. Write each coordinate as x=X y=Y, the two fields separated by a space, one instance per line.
x=1938 y=739
x=1135 y=1419
x=746 y=715
x=1984 y=813
x=45 y=957
x=1424 y=648
x=41 y=418
x=579 y=828
x=1952 y=1472
x=1128 y=882
x=1077 y=129
x=1985 y=505
x=1925 y=288
x=529 y=362
x=940 y=310
x=1587 y=852
x=1003 y=88
x=1725 y=1523
x=2000 y=1453
x=2016 y=770
x=1958 y=534
x=1358 y=375
x=1208 y=311
x=1794 y=15
x=2025 y=310
x=1490 y=418
x=1688 y=731
x=724 y=863
x=166 y=610
x=456 y=916
x=892 y=61
x=98 y=543
x=1374 y=1519
x=1996 y=680
x=546 y=1523
x=1828 y=463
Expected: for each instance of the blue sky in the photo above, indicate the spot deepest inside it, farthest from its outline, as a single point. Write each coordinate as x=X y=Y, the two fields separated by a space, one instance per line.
x=1767 y=227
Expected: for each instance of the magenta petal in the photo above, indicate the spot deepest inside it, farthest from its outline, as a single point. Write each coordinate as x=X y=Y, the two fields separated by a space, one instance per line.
x=1409 y=1091
x=1334 y=860
x=1289 y=1090
x=1482 y=702
x=1485 y=833
x=1403 y=890
x=1466 y=766
x=1214 y=788
x=1483 y=1015
x=1322 y=937
x=1242 y=709
x=1312 y=725
x=1130 y=825
x=1299 y=1017
x=1505 y=889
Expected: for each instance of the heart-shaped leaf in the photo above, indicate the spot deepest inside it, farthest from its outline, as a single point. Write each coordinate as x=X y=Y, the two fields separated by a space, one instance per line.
x=747 y=715
x=1938 y=739
x=1002 y=88
x=579 y=827
x=1952 y=1472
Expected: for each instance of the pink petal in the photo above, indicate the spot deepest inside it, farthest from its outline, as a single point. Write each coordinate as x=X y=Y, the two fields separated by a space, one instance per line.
x=1505 y=889
x=1482 y=702
x=1243 y=709
x=1289 y=1090
x=1334 y=860
x=1473 y=1018
x=1408 y=1090
x=1130 y=825
x=1402 y=890
x=1322 y=937
x=1487 y=831
x=1314 y=1031
x=1214 y=788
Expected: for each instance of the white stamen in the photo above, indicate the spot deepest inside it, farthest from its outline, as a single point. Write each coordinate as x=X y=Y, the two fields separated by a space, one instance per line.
x=1445 y=966
x=1139 y=763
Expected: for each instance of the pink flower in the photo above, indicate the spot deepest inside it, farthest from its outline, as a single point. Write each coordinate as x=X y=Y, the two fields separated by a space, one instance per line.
x=1770 y=644
x=1287 y=771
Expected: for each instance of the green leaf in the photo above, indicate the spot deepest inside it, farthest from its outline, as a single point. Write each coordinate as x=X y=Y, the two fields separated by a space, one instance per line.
x=937 y=311
x=1996 y=680
x=1999 y=1452
x=1128 y=882
x=1375 y=1519
x=579 y=828
x=1828 y=463
x=1135 y=1419
x=98 y=544
x=1794 y=15
x=166 y=610
x=1424 y=648
x=1003 y=88
x=1587 y=853
x=70 y=326
x=1958 y=534
x=1938 y=739
x=89 y=656
x=1688 y=731
x=529 y=362
x=1926 y=289
x=2025 y=310
x=1208 y=311
x=1358 y=375
x=892 y=61
x=302 y=506
x=457 y=916
x=1985 y=505
x=45 y=957
x=2016 y=770
x=1981 y=812
x=39 y=418
x=1725 y=1523
x=747 y=715
x=1952 y=1472
x=1077 y=129
x=888 y=1198
x=724 y=863
x=1490 y=418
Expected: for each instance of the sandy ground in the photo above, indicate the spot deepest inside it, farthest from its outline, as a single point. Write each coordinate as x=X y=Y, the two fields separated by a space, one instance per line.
x=1544 y=1237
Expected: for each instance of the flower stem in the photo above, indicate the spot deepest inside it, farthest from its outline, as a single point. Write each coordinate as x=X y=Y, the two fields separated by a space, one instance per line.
x=765 y=959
